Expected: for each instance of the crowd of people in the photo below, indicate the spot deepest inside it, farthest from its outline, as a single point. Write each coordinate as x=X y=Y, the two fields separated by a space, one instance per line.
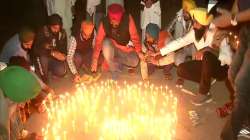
x=205 y=44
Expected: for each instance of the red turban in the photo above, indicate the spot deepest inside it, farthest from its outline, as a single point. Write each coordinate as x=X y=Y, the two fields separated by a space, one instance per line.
x=115 y=12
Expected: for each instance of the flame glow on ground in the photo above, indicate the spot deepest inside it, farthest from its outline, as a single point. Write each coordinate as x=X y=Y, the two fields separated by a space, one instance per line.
x=111 y=111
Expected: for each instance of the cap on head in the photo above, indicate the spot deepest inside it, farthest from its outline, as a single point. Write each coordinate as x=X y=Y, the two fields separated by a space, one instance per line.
x=18 y=84
x=188 y=5
x=26 y=35
x=55 y=19
x=201 y=16
x=153 y=30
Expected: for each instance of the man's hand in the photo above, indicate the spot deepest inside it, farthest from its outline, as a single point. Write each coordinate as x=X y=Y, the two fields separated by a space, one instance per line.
x=156 y=56
x=141 y=56
x=47 y=46
x=33 y=136
x=198 y=55
x=77 y=78
x=58 y=55
x=224 y=20
x=94 y=66
x=153 y=61
x=49 y=90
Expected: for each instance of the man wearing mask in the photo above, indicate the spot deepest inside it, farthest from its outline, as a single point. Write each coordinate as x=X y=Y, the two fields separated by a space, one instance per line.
x=51 y=48
x=115 y=32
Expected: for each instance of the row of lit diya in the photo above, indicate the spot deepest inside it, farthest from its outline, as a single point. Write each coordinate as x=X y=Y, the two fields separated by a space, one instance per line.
x=111 y=111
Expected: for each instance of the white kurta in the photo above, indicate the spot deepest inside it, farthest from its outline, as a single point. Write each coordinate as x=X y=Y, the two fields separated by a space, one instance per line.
x=91 y=6
x=188 y=39
x=151 y=15
x=225 y=52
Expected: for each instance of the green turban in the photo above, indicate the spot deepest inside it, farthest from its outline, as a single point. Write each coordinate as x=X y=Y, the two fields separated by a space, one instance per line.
x=18 y=84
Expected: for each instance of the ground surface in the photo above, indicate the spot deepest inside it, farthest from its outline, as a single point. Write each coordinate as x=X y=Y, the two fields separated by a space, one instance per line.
x=210 y=124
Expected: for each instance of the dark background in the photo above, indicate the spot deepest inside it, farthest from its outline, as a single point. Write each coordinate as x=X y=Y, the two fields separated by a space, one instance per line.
x=17 y=13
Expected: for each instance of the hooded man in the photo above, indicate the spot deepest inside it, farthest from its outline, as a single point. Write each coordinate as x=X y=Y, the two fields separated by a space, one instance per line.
x=18 y=45
x=17 y=86
x=154 y=41
x=114 y=34
x=81 y=49
x=206 y=64
x=51 y=48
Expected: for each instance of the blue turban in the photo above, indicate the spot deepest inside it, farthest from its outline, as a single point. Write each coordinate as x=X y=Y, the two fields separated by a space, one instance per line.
x=153 y=30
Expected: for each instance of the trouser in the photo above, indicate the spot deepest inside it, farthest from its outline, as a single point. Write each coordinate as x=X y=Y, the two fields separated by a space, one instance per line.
x=83 y=61
x=182 y=54
x=47 y=63
x=116 y=57
x=241 y=77
x=203 y=71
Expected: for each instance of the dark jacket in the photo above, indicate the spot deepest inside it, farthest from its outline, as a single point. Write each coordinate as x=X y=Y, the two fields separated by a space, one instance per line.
x=45 y=37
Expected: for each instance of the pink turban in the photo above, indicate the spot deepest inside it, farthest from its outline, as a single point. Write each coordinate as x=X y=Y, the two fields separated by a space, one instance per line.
x=115 y=12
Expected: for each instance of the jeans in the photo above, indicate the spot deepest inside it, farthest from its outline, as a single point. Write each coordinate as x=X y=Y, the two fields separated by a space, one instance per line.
x=83 y=61
x=240 y=75
x=48 y=63
x=116 y=57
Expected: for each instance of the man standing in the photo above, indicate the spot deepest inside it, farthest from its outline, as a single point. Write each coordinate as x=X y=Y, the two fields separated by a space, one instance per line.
x=239 y=72
x=115 y=32
x=51 y=48
x=81 y=49
x=18 y=45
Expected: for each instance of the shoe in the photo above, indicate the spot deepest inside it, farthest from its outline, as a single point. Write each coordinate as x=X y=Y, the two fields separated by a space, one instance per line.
x=245 y=133
x=179 y=83
x=213 y=82
x=131 y=70
x=201 y=99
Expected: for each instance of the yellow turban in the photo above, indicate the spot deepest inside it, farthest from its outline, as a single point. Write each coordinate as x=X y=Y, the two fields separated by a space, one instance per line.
x=188 y=5
x=201 y=16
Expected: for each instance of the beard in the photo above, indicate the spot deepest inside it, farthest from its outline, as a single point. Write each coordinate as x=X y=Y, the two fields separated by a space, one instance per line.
x=25 y=49
x=56 y=34
x=199 y=33
x=186 y=18
x=114 y=26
